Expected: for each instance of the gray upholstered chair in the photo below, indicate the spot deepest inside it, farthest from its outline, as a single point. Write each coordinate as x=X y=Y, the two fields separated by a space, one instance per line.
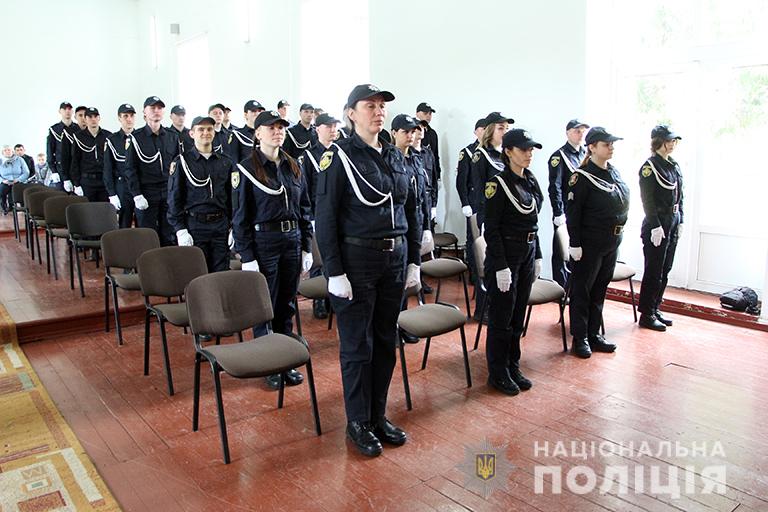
x=166 y=272
x=225 y=302
x=313 y=288
x=18 y=206
x=86 y=222
x=120 y=249
x=446 y=268
x=54 y=211
x=34 y=199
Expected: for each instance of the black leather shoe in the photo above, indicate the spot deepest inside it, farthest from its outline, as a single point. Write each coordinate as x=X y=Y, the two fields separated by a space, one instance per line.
x=504 y=384
x=386 y=432
x=651 y=322
x=319 y=310
x=598 y=343
x=518 y=378
x=665 y=321
x=293 y=377
x=580 y=348
x=273 y=381
x=366 y=442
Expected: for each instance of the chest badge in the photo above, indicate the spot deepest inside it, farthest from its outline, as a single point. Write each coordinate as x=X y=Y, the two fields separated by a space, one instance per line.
x=555 y=161
x=490 y=189
x=235 y=179
x=646 y=171
x=574 y=179
x=229 y=141
x=127 y=143
x=325 y=160
x=172 y=169
x=476 y=157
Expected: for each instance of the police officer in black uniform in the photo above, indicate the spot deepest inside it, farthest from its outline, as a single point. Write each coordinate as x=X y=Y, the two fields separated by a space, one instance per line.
x=404 y=133
x=241 y=140
x=53 y=144
x=513 y=258
x=87 y=167
x=301 y=135
x=367 y=231
x=272 y=224
x=221 y=138
x=428 y=166
x=117 y=146
x=596 y=210
x=200 y=196
x=178 y=115
x=486 y=162
x=424 y=113
x=66 y=147
x=147 y=166
x=562 y=164
x=661 y=190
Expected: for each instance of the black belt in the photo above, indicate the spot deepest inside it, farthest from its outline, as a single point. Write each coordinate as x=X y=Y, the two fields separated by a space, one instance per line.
x=92 y=175
x=527 y=237
x=381 y=244
x=282 y=226
x=670 y=210
x=206 y=217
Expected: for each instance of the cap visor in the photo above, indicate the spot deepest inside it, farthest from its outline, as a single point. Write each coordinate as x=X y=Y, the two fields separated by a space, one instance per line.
x=388 y=96
x=274 y=121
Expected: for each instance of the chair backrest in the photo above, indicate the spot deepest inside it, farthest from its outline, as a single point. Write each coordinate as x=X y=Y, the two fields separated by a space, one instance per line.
x=90 y=220
x=122 y=247
x=225 y=302
x=21 y=191
x=563 y=241
x=35 y=199
x=166 y=271
x=55 y=207
x=317 y=258
x=474 y=230
x=480 y=246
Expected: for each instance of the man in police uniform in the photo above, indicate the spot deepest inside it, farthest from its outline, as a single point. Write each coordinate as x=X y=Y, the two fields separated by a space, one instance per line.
x=178 y=115
x=424 y=113
x=147 y=165
x=221 y=135
x=66 y=146
x=241 y=140
x=301 y=135
x=114 y=165
x=200 y=196
x=282 y=109
x=87 y=167
x=562 y=164
x=54 y=141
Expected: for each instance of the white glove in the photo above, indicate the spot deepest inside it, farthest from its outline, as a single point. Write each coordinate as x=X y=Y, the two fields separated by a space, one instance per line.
x=559 y=220
x=427 y=242
x=306 y=261
x=340 y=286
x=657 y=234
x=679 y=230
x=575 y=253
x=68 y=186
x=55 y=178
x=79 y=191
x=230 y=240
x=412 y=275
x=537 y=268
x=313 y=224
x=184 y=238
x=504 y=279
x=141 y=202
x=433 y=213
x=115 y=202
x=251 y=266
x=467 y=211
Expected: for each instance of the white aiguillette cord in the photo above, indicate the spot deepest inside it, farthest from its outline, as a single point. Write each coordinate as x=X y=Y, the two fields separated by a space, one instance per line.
x=598 y=182
x=144 y=158
x=115 y=154
x=525 y=210
x=296 y=143
x=348 y=166
x=83 y=147
x=55 y=135
x=194 y=180
x=497 y=165
x=660 y=180
x=567 y=162
x=314 y=162
x=265 y=188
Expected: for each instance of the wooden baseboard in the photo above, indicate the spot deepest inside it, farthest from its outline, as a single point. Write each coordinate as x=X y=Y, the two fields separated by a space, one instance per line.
x=88 y=322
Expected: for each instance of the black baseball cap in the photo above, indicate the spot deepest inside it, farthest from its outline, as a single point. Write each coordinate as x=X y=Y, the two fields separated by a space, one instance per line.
x=599 y=134
x=126 y=108
x=227 y=109
x=575 y=123
x=306 y=106
x=179 y=110
x=153 y=100
x=283 y=103
x=519 y=138
x=203 y=120
x=91 y=111
x=269 y=117
x=481 y=123
x=425 y=107
x=497 y=117
x=217 y=105
x=326 y=119
x=252 y=106
x=663 y=131
x=80 y=107
x=365 y=91
x=65 y=104
x=404 y=122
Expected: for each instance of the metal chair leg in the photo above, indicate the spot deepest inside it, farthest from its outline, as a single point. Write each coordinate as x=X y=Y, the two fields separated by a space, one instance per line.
x=313 y=397
x=426 y=354
x=146 y=341
x=222 y=420
x=406 y=385
x=298 y=317
x=632 y=296
x=164 y=339
x=196 y=393
x=70 y=249
x=79 y=272
x=47 y=252
x=527 y=319
x=437 y=292
x=466 y=356
x=480 y=323
x=118 y=327
x=281 y=392
x=37 y=243
x=53 y=258
x=466 y=295
x=106 y=303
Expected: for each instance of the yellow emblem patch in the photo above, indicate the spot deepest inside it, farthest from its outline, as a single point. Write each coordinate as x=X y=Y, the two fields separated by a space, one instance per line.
x=172 y=169
x=325 y=160
x=574 y=179
x=235 y=178
x=476 y=157
x=490 y=189
x=555 y=161
x=461 y=156
x=646 y=171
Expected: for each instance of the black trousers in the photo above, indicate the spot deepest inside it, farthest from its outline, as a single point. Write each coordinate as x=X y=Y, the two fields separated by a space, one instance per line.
x=127 y=207
x=368 y=328
x=560 y=269
x=5 y=196
x=94 y=190
x=156 y=216
x=506 y=310
x=589 y=281
x=658 y=262
x=212 y=238
x=279 y=257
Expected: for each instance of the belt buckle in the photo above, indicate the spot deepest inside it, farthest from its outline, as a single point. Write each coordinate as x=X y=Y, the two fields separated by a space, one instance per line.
x=285 y=226
x=390 y=244
x=210 y=217
x=617 y=230
x=531 y=237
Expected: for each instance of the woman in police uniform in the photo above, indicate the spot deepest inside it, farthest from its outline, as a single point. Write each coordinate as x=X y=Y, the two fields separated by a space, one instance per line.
x=596 y=211
x=486 y=162
x=513 y=258
x=271 y=223
x=661 y=190
x=367 y=232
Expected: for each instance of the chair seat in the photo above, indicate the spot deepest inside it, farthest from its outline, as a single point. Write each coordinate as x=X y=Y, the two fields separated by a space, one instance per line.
x=60 y=232
x=314 y=287
x=175 y=313
x=235 y=264
x=443 y=267
x=41 y=223
x=622 y=271
x=545 y=291
x=444 y=239
x=430 y=320
x=91 y=244
x=266 y=355
x=127 y=281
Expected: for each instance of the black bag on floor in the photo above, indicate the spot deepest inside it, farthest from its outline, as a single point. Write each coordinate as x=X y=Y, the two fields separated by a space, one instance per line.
x=741 y=299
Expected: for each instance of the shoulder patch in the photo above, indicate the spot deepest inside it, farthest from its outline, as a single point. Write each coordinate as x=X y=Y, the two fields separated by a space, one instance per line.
x=574 y=179
x=554 y=161
x=235 y=178
x=646 y=171
x=172 y=169
x=490 y=189
x=476 y=157
x=461 y=155
x=325 y=160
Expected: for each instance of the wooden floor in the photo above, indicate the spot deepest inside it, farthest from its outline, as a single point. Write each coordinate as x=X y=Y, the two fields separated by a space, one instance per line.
x=699 y=382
